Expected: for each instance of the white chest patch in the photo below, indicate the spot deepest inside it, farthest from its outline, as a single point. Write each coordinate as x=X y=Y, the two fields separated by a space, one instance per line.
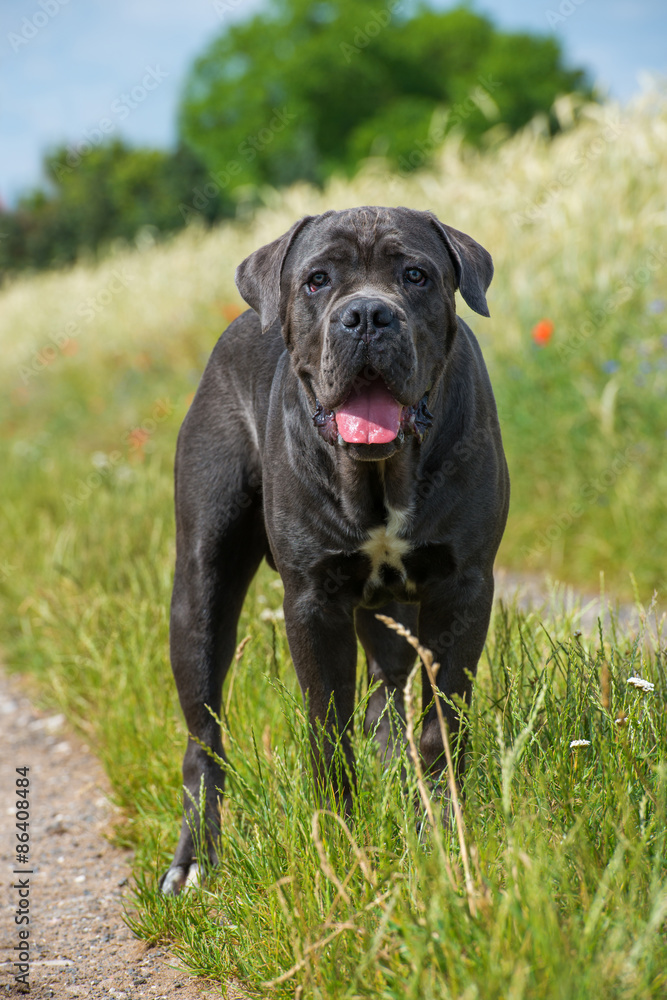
x=385 y=547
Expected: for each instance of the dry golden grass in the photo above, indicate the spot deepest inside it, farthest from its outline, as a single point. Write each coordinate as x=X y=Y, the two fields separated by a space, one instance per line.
x=575 y=212
x=576 y=226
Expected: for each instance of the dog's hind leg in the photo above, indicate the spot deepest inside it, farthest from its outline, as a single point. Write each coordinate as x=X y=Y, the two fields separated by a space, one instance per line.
x=220 y=542
x=389 y=659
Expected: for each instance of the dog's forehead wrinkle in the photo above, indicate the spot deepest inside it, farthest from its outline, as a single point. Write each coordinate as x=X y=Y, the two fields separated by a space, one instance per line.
x=368 y=289
x=369 y=239
x=365 y=227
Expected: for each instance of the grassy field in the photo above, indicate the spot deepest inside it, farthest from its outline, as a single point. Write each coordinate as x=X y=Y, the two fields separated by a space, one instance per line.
x=567 y=894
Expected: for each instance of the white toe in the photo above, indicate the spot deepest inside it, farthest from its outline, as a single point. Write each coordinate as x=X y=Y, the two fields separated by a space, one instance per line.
x=192 y=878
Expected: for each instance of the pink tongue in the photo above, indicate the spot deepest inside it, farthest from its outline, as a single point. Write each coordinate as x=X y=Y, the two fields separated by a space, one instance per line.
x=371 y=416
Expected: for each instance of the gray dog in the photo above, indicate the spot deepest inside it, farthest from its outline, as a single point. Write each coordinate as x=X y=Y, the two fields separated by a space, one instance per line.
x=345 y=430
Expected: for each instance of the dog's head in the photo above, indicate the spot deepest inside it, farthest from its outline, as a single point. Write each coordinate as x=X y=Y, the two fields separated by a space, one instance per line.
x=365 y=298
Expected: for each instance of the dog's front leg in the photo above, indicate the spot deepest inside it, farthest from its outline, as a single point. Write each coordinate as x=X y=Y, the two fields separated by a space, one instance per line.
x=323 y=645
x=453 y=627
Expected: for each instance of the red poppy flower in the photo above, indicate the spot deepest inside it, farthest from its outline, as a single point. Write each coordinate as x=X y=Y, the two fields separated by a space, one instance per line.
x=231 y=311
x=70 y=347
x=136 y=440
x=542 y=331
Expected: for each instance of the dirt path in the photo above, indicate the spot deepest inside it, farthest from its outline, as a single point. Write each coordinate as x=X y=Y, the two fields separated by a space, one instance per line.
x=79 y=945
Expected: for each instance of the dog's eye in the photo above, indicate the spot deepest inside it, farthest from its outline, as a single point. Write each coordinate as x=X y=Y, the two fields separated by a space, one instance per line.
x=416 y=276
x=317 y=280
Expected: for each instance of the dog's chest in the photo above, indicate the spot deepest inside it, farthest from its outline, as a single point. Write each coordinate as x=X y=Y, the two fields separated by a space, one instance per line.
x=386 y=549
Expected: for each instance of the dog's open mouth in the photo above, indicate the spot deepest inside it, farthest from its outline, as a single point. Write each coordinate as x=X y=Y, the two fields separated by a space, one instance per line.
x=371 y=415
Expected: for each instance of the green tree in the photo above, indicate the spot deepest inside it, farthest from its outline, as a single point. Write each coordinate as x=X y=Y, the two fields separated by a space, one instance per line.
x=108 y=193
x=297 y=92
x=306 y=89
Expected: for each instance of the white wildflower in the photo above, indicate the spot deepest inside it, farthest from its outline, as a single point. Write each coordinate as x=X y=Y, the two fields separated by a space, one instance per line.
x=124 y=474
x=272 y=615
x=639 y=682
x=580 y=743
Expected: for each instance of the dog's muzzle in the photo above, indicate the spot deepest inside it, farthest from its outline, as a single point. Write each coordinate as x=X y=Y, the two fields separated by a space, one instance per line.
x=371 y=415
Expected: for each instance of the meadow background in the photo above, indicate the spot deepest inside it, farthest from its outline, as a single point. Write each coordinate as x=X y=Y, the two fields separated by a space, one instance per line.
x=567 y=887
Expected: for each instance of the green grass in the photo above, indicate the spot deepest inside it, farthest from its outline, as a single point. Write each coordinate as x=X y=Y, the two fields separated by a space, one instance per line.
x=566 y=845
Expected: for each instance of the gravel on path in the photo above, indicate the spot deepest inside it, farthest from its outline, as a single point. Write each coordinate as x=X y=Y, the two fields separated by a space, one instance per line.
x=79 y=946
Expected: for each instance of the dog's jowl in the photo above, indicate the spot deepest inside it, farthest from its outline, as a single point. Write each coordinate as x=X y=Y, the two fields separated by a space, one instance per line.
x=344 y=430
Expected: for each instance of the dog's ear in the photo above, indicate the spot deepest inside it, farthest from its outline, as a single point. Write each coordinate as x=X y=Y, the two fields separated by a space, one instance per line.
x=473 y=265
x=258 y=277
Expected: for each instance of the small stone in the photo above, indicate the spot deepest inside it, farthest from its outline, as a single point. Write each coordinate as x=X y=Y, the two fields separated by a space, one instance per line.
x=58 y=825
x=51 y=724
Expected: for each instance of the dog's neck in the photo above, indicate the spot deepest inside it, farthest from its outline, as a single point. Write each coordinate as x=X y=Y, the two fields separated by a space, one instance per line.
x=387 y=491
x=371 y=493
x=393 y=491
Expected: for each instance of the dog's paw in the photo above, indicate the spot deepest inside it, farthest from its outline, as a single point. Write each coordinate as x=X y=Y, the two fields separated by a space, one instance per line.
x=179 y=878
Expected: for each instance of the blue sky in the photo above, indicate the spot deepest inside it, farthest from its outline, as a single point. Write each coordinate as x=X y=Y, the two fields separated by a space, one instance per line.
x=124 y=61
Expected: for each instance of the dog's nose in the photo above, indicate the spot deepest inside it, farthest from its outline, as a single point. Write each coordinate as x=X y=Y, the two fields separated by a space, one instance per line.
x=367 y=317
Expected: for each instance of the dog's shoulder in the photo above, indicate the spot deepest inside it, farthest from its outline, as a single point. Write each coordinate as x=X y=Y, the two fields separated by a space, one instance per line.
x=236 y=384
x=467 y=343
x=244 y=335
x=468 y=362
x=245 y=353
